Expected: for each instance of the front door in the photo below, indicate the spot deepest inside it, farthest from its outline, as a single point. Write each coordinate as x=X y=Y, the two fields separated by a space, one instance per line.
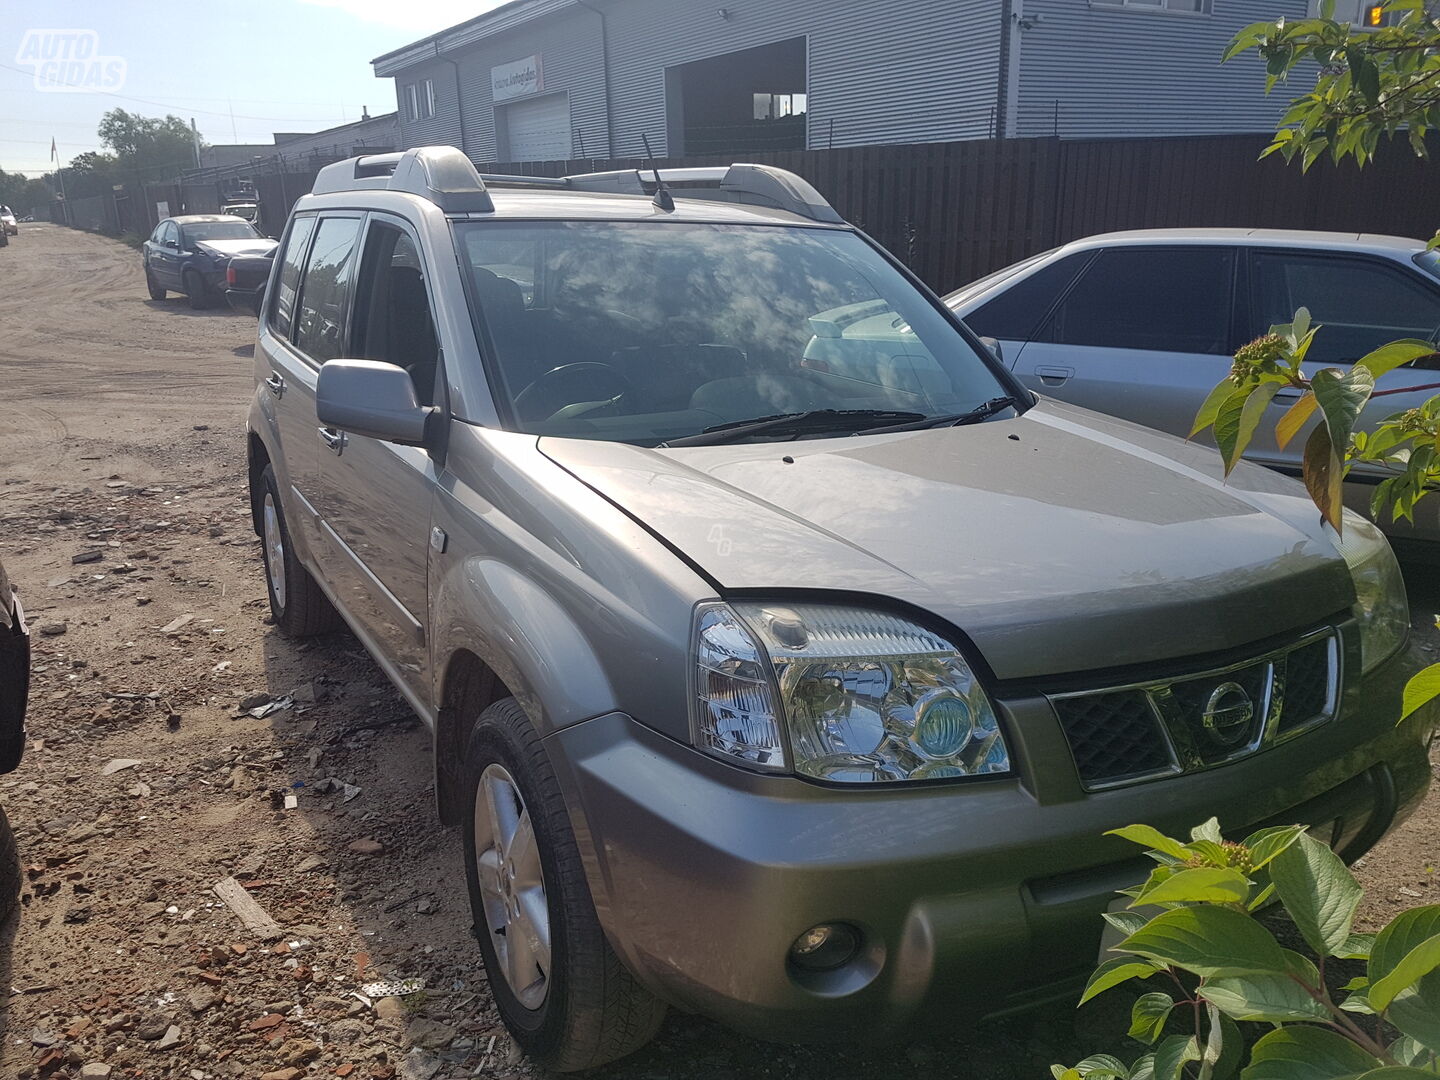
x=377 y=495
x=1145 y=333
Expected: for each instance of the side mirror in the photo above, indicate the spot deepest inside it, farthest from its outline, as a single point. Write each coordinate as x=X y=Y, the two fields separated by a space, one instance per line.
x=994 y=346
x=374 y=399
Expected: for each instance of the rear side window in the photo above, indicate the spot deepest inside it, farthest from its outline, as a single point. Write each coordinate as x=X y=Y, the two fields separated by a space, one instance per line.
x=290 y=264
x=1361 y=303
x=1157 y=299
x=1015 y=314
x=325 y=290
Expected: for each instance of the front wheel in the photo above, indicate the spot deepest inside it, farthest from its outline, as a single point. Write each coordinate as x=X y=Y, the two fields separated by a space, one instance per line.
x=561 y=990
x=152 y=286
x=195 y=291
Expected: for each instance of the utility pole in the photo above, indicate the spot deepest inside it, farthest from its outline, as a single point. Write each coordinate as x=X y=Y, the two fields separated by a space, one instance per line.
x=195 y=133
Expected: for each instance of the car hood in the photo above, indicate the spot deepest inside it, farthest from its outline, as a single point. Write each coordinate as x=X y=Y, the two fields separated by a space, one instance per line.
x=1060 y=541
x=259 y=245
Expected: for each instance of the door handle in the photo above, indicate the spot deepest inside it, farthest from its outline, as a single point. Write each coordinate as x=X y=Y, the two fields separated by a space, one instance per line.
x=1053 y=376
x=276 y=384
x=332 y=438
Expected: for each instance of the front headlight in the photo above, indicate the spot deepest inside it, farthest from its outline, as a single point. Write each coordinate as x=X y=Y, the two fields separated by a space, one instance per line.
x=840 y=694
x=1380 y=602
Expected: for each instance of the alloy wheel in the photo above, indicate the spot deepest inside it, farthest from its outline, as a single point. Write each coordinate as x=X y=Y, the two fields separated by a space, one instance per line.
x=274 y=549
x=512 y=886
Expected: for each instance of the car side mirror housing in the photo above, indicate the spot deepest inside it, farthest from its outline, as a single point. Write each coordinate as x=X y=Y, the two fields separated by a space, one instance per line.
x=994 y=346
x=374 y=399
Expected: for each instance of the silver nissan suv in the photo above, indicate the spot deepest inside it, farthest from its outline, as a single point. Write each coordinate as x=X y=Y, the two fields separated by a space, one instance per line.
x=786 y=658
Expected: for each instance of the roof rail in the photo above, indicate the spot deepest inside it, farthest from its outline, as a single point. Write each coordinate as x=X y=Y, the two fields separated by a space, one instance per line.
x=762 y=184
x=441 y=174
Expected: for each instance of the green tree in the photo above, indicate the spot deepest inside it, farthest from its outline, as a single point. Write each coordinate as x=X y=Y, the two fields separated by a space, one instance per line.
x=146 y=148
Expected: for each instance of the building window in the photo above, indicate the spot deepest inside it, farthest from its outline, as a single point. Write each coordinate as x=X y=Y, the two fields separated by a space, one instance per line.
x=1360 y=13
x=420 y=100
x=775 y=106
x=1188 y=7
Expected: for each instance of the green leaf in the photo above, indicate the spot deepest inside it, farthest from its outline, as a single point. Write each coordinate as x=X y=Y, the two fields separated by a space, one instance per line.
x=1114 y=972
x=1423 y=688
x=1319 y=892
x=1408 y=1051
x=1341 y=397
x=1396 y=1072
x=1212 y=942
x=1148 y=1016
x=1294 y=419
x=1418 y=962
x=1322 y=472
x=1357 y=947
x=1208 y=830
x=1270 y=998
x=1209 y=850
x=1415 y=1011
x=1211 y=408
x=1127 y=922
x=1230 y=421
x=1306 y=1053
x=1266 y=844
x=1100 y=1066
x=1204 y=885
x=1149 y=837
x=1396 y=354
x=1172 y=1054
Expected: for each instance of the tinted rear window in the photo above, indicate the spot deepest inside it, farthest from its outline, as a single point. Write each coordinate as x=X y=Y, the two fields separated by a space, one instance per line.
x=1157 y=299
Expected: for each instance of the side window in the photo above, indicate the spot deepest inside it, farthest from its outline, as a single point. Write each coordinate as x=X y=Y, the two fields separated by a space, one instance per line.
x=290 y=263
x=172 y=233
x=1361 y=303
x=325 y=289
x=159 y=233
x=392 y=309
x=1152 y=298
x=1015 y=314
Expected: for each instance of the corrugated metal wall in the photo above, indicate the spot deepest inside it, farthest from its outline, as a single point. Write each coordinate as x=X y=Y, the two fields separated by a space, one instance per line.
x=571 y=58
x=918 y=71
x=1089 y=70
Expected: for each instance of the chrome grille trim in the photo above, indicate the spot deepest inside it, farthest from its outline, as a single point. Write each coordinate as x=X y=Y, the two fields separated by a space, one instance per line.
x=1189 y=743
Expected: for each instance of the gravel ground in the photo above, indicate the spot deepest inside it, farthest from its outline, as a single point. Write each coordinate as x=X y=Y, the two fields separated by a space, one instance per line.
x=154 y=771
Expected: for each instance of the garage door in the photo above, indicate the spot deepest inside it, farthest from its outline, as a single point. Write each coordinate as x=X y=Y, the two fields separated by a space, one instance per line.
x=539 y=129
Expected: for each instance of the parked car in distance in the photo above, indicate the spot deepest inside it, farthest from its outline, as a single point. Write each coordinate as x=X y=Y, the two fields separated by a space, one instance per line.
x=246 y=277
x=249 y=211
x=1143 y=325
x=14 y=691
x=190 y=254
x=787 y=660
x=8 y=224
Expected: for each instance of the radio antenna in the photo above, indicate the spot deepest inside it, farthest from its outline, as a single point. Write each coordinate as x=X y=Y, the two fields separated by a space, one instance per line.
x=663 y=199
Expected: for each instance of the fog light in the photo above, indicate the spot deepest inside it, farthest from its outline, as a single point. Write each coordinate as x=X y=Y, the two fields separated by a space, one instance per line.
x=825 y=947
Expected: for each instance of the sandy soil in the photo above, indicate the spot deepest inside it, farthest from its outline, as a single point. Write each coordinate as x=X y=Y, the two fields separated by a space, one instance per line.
x=121 y=432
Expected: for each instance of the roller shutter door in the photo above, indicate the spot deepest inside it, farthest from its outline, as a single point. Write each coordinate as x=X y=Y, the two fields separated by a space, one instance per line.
x=539 y=129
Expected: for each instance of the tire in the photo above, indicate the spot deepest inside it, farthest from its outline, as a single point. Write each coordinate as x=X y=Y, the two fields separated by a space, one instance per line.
x=9 y=869
x=155 y=291
x=297 y=603
x=195 y=291
x=590 y=1010
x=14 y=690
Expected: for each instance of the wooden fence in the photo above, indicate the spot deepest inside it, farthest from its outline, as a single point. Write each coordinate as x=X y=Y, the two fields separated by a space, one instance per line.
x=955 y=211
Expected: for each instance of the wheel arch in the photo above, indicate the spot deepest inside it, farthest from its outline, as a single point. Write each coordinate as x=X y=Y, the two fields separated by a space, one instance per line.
x=256 y=458
x=468 y=687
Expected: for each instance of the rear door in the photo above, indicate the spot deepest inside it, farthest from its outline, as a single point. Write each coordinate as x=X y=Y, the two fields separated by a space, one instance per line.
x=1144 y=333
x=1362 y=302
x=287 y=378
x=165 y=259
x=377 y=495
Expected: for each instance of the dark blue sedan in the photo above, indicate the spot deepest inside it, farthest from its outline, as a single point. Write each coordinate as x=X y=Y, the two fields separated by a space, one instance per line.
x=190 y=254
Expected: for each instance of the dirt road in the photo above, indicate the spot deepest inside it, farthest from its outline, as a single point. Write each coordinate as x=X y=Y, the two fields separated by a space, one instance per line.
x=145 y=783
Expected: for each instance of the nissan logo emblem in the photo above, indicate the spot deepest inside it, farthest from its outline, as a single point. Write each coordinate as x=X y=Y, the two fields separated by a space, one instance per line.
x=1228 y=714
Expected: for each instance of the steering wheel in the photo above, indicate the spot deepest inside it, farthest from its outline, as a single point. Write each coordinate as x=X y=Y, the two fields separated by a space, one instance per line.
x=569 y=385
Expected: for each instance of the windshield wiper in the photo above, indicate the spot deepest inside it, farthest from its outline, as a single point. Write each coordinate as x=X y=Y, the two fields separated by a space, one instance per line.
x=990 y=408
x=812 y=420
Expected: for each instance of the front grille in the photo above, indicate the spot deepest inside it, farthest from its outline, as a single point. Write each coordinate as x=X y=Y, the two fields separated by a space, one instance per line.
x=1122 y=735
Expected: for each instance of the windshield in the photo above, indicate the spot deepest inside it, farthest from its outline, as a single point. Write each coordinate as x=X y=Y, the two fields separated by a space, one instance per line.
x=645 y=332
x=220 y=230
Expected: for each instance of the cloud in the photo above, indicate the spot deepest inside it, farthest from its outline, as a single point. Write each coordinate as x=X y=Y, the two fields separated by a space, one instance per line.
x=419 y=19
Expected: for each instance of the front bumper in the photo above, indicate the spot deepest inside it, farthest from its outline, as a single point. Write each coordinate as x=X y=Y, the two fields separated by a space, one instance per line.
x=973 y=898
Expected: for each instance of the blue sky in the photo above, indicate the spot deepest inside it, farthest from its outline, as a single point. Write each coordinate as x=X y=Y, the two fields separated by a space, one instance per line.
x=277 y=65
